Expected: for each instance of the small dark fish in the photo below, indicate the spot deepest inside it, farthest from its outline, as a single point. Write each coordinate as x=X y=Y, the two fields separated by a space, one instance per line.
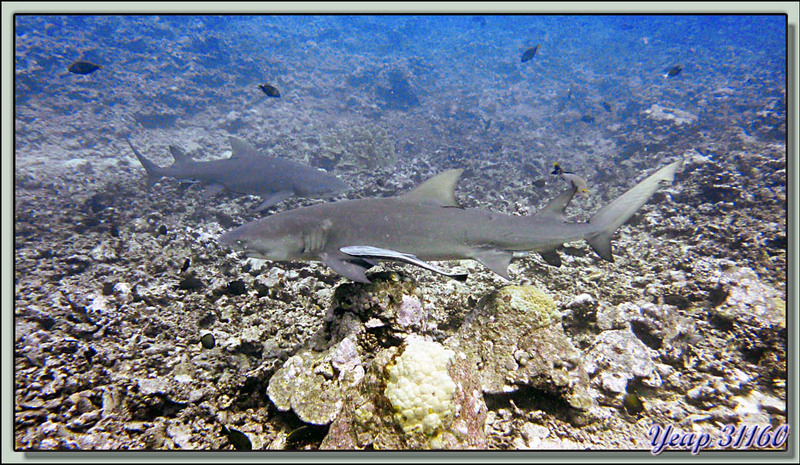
x=185 y=266
x=530 y=53
x=587 y=118
x=236 y=287
x=271 y=91
x=606 y=106
x=238 y=440
x=108 y=288
x=633 y=405
x=305 y=434
x=674 y=71
x=208 y=341
x=83 y=67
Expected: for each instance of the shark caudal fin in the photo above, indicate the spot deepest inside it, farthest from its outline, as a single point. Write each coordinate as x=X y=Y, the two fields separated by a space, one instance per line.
x=620 y=210
x=154 y=172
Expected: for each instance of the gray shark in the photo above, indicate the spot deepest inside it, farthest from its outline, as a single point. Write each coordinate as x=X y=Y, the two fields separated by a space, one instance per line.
x=248 y=172
x=428 y=224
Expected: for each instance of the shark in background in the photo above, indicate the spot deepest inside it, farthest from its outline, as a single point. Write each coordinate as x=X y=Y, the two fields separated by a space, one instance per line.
x=428 y=224
x=247 y=171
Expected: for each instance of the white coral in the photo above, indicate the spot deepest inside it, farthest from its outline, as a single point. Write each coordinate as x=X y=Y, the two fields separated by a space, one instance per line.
x=419 y=386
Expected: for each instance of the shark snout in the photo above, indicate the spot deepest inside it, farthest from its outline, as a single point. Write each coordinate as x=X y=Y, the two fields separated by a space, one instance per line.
x=252 y=240
x=233 y=240
x=324 y=186
x=239 y=244
x=340 y=186
x=335 y=188
x=236 y=239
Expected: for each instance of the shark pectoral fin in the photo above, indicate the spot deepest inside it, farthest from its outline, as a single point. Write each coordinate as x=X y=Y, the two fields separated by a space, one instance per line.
x=370 y=262
x=213 y=189
x=355 y=271
x=495 y=260
x=551 y=257
x=273 y=199
x=369 y=253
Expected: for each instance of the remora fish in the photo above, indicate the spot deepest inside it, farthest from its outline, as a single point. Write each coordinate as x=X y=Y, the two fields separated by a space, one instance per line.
x=428 y=224
x=248 y=172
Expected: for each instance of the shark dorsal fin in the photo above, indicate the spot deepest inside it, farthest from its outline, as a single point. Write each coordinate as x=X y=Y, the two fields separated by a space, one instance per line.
x=241 y=149
x=438 y=190
x=179 y=155
x=555 y=208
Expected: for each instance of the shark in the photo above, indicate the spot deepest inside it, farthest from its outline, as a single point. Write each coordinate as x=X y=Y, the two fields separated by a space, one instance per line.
x=427 y=224
x=247 y=171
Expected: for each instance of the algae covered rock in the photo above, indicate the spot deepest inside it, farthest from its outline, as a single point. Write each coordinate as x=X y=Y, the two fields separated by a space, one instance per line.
x=754 y=313
x=362 y=319
x=389 y=306
x=377 y=383
x=420 y=395
x=312 y=383
x=618 y=356
x=382 y=386
x=749 y=301
x=515 y=338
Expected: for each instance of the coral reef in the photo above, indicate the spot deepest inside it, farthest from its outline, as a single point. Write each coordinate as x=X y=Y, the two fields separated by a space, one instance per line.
x=515 y=338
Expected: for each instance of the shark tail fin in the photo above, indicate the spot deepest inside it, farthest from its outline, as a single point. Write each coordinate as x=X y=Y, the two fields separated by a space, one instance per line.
x=154 y=172
x=621 y=209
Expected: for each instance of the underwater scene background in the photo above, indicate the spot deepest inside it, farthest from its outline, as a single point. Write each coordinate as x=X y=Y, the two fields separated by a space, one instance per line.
x=135 y=329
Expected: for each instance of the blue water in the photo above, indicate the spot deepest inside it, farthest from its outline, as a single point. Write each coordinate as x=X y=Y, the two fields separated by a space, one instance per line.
x=457 y=48
x=460 y=79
